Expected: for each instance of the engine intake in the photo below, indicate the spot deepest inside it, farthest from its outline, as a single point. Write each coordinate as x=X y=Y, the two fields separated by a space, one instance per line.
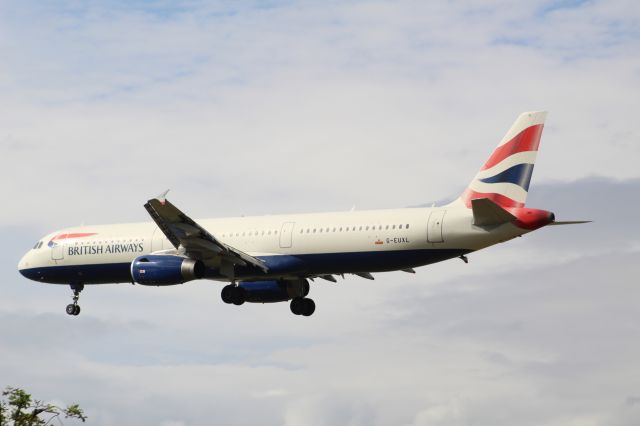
x=165 y=270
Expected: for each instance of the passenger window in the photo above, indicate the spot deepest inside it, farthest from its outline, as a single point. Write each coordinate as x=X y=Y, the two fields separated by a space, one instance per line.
x=386 y=227
x=400 y=226
x=393 y=227
x=407 y=226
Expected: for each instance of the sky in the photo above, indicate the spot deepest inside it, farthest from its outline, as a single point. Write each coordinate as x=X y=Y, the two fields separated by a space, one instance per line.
x=285 y=107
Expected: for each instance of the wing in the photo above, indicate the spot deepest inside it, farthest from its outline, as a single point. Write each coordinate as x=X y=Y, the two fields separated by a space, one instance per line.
x=193 y=240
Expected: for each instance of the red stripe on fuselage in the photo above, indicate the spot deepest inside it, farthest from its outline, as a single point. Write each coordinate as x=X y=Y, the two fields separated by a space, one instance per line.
x=77 y=235
x=526 y=140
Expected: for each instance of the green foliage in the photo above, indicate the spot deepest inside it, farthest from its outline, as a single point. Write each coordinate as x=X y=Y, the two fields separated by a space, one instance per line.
x=18 y=408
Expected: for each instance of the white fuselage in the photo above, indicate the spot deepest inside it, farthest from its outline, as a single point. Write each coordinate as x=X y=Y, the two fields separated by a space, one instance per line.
x=293 y=245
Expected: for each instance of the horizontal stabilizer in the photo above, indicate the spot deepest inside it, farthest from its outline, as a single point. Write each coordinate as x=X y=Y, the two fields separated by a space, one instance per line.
x=488 y=213
x=570 y=222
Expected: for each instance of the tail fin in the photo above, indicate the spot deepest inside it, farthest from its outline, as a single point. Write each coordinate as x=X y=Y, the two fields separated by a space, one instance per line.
x=505 y=176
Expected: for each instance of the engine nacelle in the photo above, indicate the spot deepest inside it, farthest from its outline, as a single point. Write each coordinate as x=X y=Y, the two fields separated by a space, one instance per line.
x=165 y=270
x=273 y=291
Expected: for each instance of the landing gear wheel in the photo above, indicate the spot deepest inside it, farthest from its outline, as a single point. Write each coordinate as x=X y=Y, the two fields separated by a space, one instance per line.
x=233 y=294
x=303 y=306
x=296 y=305
x=309 y=307
x=71 y=309
x=238 y=297
x=227 y=293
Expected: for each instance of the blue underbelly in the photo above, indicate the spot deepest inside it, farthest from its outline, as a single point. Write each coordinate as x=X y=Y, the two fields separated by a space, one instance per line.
x=301 y=265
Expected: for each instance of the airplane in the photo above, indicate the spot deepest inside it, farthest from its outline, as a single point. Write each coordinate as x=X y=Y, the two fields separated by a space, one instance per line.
x=266 y=259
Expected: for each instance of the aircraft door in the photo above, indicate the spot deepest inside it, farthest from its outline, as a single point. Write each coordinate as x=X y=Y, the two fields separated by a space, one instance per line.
x=286 y=235
x=57 y=251
x=434 y=227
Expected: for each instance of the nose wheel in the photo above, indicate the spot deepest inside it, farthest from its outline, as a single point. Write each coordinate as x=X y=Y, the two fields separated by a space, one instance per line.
x=74 y=308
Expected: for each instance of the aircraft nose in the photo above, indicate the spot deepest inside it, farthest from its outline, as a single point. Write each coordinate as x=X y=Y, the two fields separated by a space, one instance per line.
x=23 y=262
x=24 y=267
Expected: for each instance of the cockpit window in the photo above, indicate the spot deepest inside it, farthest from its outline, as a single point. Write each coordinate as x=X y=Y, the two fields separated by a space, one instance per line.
x=38 y=245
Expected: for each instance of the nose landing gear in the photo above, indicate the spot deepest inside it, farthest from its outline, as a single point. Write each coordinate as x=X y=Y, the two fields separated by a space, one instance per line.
x=74 y=308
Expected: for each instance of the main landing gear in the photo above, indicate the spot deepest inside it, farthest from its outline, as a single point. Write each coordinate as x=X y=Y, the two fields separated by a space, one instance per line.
x=233 y=294
x=303 y=306
x=74 y=308
x=300 y=305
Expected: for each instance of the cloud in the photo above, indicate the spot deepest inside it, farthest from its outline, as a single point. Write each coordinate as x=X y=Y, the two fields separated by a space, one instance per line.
x=246 y=109
x=289 y=103
x=507 y=336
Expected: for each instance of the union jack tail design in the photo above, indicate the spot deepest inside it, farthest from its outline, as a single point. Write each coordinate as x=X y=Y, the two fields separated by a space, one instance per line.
x=505 y=177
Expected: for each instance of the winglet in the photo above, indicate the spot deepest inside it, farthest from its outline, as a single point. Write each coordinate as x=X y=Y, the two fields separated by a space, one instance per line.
x=487 y=213
x=163 y=197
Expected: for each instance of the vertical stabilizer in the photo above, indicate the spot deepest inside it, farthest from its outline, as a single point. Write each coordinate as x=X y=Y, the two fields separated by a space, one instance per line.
x=505 y=176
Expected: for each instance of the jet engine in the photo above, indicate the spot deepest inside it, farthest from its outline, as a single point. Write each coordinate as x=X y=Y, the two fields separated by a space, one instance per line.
x=165 y=270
